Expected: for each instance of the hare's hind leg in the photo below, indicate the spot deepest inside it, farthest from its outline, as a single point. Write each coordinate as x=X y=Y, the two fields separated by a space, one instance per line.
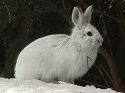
x=70 y=81
x=52 y=81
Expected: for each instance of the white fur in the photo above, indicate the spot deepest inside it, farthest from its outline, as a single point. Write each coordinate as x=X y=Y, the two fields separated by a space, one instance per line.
x=61 y=57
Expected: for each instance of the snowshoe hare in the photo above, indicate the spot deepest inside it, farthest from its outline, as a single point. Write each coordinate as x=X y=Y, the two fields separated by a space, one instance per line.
x=61 y=57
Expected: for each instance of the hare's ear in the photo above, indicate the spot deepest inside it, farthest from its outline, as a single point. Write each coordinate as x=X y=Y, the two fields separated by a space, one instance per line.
x=77 y=16
x=88 y=14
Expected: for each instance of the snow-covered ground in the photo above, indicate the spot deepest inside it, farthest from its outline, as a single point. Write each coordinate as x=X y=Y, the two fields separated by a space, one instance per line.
x=37 y=86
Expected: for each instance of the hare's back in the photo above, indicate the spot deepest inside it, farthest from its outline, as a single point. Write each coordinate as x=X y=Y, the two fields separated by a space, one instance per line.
x=47 y=41
x=41 y=46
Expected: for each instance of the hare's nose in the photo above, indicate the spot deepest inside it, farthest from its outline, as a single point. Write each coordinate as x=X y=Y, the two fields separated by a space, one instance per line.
x=99 y=41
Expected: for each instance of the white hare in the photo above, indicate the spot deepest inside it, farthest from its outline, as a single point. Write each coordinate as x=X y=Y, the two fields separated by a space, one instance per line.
x=61 y=57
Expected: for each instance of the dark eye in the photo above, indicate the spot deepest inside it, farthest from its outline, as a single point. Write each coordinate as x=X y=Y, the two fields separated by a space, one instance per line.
x=89 y=33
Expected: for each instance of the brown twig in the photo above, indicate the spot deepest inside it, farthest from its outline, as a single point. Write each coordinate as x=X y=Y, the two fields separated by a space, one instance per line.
x=112 y=68
x=119 y=3
x=105 y=29
x=107 y=15
x=63 y=2
x=108 y=74
x=116 y=81
x=88 y=58
x=97 y=68
x=9 y=14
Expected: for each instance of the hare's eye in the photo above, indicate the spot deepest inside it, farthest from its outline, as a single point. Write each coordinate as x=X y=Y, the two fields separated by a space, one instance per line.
x=89 y=33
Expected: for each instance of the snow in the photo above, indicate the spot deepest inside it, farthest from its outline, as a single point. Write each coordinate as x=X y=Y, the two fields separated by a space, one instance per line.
x=36 y=86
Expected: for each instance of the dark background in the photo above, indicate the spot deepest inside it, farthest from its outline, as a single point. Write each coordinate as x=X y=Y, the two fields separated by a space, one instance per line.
x=23 y=21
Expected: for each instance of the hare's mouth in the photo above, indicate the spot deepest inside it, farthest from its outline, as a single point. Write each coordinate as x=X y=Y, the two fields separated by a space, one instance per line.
x=97 y=42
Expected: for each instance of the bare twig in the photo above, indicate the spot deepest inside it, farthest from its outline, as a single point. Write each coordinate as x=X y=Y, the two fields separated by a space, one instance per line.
x=97 y=68
x=105 y=30
x=119 y=3
x=108 y=74
x=116 y=81
x=114 y=18
x=112 y=68
x=63 y=2
x=9 y=14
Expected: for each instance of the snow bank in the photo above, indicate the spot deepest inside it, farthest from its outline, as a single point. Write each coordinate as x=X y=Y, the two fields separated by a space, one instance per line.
x=37 y=86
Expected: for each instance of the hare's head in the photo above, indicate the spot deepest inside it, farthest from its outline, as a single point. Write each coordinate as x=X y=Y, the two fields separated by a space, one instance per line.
x=83 y=32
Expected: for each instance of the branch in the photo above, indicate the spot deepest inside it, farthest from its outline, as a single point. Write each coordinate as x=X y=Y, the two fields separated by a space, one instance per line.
x=114 y=18
x=119 y=3
x=117 y=82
